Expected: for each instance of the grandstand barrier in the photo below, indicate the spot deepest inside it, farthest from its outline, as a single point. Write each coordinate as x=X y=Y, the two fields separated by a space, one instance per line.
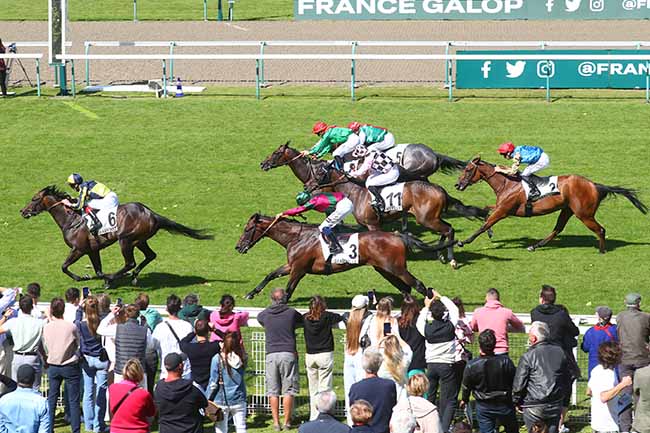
x=36 y=57
x=353 y=58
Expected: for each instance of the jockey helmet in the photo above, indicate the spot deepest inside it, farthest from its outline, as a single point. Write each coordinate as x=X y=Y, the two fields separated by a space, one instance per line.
x=506 y=148
x=319 y=128
x=302 y=198
x=359 y=151
x=354 y=126
x=75 y=179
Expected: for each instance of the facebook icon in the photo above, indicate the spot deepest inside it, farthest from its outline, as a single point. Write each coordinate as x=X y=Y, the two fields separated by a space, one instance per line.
x=486 y=68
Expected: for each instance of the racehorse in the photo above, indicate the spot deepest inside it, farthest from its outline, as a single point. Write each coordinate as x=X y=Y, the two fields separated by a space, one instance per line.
x=136 y=224
x=578 y=196
x=418 y=160
x=424 y=200
x=386 y=252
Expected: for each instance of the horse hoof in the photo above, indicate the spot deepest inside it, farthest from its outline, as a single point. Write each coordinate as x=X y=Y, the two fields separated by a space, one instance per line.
x=86 y=277
x=460 y=244
x=107 y=285
x=134 y=282
x=442 y=259
x=453 y=264
x=490 y=233
x=249 y=296
x=531 y=248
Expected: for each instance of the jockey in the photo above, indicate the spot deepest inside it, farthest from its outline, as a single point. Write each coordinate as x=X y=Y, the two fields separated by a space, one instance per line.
x=383 y=171
x=373 y=137
x=534 y=156
x=93 y=196
x=334 y=204
x=330 y=136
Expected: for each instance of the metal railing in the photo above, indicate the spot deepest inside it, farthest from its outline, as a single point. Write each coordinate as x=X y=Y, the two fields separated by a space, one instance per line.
x=36 y=57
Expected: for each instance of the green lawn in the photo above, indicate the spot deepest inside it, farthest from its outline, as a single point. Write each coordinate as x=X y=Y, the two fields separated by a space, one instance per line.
x=109 y=10
x=196 y=160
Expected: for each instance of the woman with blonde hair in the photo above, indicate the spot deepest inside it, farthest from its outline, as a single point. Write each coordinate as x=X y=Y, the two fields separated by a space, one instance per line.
x=397 y=357
x=132 y=407
x=382 y=317
x=425 y=413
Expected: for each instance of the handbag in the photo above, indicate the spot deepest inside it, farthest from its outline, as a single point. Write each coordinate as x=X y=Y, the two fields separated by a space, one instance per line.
x=212 y=411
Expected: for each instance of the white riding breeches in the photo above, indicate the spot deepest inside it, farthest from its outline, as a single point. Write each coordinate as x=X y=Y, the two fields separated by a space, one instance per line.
x=343 y=208
x=348 y=146
x=384 y=145
x=108 y=202
x=541 y=163
x=380 y=179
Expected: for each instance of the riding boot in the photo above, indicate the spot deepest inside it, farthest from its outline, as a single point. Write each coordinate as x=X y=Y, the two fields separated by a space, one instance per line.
x=378 y=203
x=338 y=163
x=96 y=224
x=332 y=241
x=534 y=192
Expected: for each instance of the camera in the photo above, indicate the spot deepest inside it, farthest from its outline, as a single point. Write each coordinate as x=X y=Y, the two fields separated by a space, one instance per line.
x=12 y=48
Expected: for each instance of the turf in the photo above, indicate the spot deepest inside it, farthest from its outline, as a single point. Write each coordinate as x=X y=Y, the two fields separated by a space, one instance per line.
x=110 y=10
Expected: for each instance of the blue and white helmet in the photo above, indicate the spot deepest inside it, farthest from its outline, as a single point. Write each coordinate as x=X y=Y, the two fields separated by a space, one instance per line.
x=75 y=179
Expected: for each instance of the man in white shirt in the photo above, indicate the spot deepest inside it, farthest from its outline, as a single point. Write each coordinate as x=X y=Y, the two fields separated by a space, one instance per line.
x=169 y=333
x=605 y=389
x=72 y=297
x=6 y=351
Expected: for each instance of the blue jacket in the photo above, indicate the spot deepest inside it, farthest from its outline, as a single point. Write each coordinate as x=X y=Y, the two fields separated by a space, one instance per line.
x=382 y=396
x=594 y=337
x=529 y=154
x=24 y=411
x=324 y=423
x=234 y=383
x=89 y=344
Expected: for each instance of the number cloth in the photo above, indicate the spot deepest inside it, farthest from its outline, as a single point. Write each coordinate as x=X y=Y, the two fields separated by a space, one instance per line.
x=333 y=136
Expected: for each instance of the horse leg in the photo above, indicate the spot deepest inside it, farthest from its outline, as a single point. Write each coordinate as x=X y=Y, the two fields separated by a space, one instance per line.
x=279 y=272
x=562 y=219
x=74 y=255
x=127 y=247
x=438 y=225
x=96 y=260
x=149 y=256
x=403 y=281
x=294 y=279
x=599 y=230
x=494 y=218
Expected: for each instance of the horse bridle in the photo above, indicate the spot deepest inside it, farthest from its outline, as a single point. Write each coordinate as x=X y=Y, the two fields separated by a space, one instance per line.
x=254 y=228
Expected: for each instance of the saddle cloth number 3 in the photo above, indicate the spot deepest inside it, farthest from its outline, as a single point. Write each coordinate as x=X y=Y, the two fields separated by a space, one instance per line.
x=350 y=252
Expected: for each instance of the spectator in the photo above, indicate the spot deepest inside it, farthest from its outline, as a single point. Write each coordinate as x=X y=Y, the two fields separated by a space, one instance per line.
x=228 y=385
x=539 y=427
x=425 y=413
x=642 y=396
x=179 y=402
x=493 y=315
x=356 y=340
x=61 y=341
x=542 y=380
x=94 y=366
x=604 y=388
x=72 y=299
x=26 y=333
x=9 y=384
x=34 y=292
x=440 y=353
x=132 y=340
x=3 y=71
x=361 y=413
x=228 y=320
x=396 y=359
x=602 y=332
x=192 y=310
x=7 y=300
x=464 y=338
x=152 y=316
x=383 y=315
x=169 y=332
x=380 y=393
x=403 y=422
x=319 y=342
x=108 y=327
x=409 y=333
x=489 y=378
x=104 y=305
x=24 y=410
x=132 y=406
x=200 y=354
x=325 y=402
x=280 y=322
x=633 y=328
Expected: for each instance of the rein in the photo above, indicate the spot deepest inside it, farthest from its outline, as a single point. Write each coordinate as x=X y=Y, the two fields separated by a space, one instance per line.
x=289 y=161
x=54 y=205
x=252 y=244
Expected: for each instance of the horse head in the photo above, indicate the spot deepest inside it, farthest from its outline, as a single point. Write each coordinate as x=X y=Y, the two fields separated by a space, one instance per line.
x=43 y=201
x=471 y=174
x=254 y=230
x=283 y=155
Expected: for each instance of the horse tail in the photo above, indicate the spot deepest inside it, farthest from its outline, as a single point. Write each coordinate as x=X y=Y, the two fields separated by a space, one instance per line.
x=413 y=243
x=630 y=194
x=179 y=229
x=469 y=212
x=448 y=164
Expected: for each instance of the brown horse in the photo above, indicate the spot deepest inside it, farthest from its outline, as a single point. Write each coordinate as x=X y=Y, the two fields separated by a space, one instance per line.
x=424 y=200
x=578 y=196
x=386 y=252
x=136 y=224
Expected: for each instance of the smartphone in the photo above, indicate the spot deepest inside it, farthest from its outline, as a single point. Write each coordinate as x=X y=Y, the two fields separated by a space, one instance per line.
x=387 y=330
x=371 y=297
x=85 y=291
x=429 y=293
x=119 y=302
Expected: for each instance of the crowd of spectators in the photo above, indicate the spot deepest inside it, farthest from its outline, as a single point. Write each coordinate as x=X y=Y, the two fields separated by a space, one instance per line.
x=123 y=367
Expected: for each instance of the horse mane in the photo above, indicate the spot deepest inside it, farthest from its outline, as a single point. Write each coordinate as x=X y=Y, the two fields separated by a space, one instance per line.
x=52 y=190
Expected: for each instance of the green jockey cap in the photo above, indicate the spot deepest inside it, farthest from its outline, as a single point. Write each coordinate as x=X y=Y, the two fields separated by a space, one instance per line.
x=303 y=197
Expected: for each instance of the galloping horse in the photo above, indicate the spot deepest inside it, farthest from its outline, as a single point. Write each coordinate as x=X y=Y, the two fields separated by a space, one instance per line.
x=136 y=224
x=386 y=252
x=578 y=196
x=424 y=200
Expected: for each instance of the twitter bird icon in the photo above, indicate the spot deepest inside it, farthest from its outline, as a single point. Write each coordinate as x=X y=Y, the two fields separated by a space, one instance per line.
x=516 y=70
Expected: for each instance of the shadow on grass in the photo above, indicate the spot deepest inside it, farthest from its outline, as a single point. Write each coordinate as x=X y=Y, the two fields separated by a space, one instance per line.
x=159 y=280
x=566 y=241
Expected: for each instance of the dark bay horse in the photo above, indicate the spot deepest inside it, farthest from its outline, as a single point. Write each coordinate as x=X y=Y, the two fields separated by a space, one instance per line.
x=386 y=252
x=421 y=161
x=424 y=200
x=136 y=224
x=578 y=196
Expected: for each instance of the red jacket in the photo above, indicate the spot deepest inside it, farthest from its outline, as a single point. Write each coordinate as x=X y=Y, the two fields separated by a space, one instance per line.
x=132 y=415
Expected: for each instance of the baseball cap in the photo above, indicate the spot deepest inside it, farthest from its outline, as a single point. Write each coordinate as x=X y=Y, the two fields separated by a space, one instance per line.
x=604 y=312
x=26 y=375
x=632 y=299
x=173 y=360
x=359 y=302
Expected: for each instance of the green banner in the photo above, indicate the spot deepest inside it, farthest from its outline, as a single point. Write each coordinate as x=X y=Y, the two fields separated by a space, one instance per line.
x=563 y=74
x=471 y=9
